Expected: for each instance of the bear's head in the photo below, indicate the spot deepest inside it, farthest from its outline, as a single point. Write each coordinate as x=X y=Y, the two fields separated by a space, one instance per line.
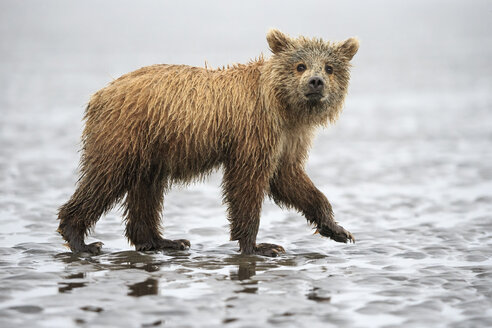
x=310 y=75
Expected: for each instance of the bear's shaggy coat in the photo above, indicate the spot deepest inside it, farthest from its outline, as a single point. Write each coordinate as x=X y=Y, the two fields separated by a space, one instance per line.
x=166 y=124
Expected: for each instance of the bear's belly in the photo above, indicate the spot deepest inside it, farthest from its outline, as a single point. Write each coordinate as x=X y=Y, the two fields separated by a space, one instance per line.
x=187 y=160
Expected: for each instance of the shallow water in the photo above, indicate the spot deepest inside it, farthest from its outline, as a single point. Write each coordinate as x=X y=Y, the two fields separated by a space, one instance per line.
x=407 y=169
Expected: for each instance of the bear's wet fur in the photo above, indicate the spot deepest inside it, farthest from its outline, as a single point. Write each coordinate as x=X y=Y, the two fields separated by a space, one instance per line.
x=167 y=124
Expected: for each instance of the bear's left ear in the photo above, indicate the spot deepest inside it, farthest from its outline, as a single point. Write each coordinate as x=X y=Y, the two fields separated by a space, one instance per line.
x=348 y=48
x=277 y=41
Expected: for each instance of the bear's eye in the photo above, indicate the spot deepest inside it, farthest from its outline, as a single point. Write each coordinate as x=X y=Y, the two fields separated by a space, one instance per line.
x=301 y=68
x=329 y=69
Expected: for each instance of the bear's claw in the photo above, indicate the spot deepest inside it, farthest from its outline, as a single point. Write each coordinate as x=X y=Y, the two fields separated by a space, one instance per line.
x=92 y=249
x=161 y=244
x=337 y=233
x=270 y=250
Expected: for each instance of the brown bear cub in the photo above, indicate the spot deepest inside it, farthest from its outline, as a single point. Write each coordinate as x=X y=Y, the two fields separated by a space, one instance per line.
x=167 y=124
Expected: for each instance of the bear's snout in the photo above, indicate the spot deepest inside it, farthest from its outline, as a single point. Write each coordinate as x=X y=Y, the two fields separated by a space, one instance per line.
x=316 y=83
x=315 y=87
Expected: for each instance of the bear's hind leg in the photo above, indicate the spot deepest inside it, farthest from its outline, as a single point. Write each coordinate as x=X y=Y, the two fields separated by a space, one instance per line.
x=81 y=212
x=143 y=208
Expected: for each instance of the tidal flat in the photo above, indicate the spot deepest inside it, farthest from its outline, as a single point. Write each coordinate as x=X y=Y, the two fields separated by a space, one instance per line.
x=407 y=169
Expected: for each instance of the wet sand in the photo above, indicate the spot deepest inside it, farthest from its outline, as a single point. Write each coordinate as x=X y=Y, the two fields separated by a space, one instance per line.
x=407 y=169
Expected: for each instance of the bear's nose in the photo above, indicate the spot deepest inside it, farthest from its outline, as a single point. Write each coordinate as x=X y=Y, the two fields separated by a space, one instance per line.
x=316 y=83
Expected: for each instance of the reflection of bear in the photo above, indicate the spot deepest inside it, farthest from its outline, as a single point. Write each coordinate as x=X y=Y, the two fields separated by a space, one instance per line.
x=166 y=124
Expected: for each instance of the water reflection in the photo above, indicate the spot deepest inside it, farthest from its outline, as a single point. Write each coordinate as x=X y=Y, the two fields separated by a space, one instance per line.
x=147 y=287
x=249 y=288
x=68 y=286
x=69 y=257
x=116 y=261
x=245 y=271
x=178 y=266
x=135 y=260
x=91 y=308
x=79 y=275
x=313 y=295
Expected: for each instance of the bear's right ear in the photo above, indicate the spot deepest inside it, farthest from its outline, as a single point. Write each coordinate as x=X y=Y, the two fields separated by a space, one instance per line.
x=277 y=41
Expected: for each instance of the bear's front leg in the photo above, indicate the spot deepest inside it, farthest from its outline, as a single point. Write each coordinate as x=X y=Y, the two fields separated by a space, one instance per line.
x=244 y=190
x=290 y=186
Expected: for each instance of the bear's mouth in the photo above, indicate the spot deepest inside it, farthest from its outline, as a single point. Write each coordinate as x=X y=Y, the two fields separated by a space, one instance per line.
x=313 y=96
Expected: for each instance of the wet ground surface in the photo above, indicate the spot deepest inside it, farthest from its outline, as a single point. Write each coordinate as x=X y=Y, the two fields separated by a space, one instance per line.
x=407 y=169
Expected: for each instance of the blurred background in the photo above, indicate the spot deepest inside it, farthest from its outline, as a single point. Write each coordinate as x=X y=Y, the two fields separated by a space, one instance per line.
x=423 y=69
x=407 y=169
